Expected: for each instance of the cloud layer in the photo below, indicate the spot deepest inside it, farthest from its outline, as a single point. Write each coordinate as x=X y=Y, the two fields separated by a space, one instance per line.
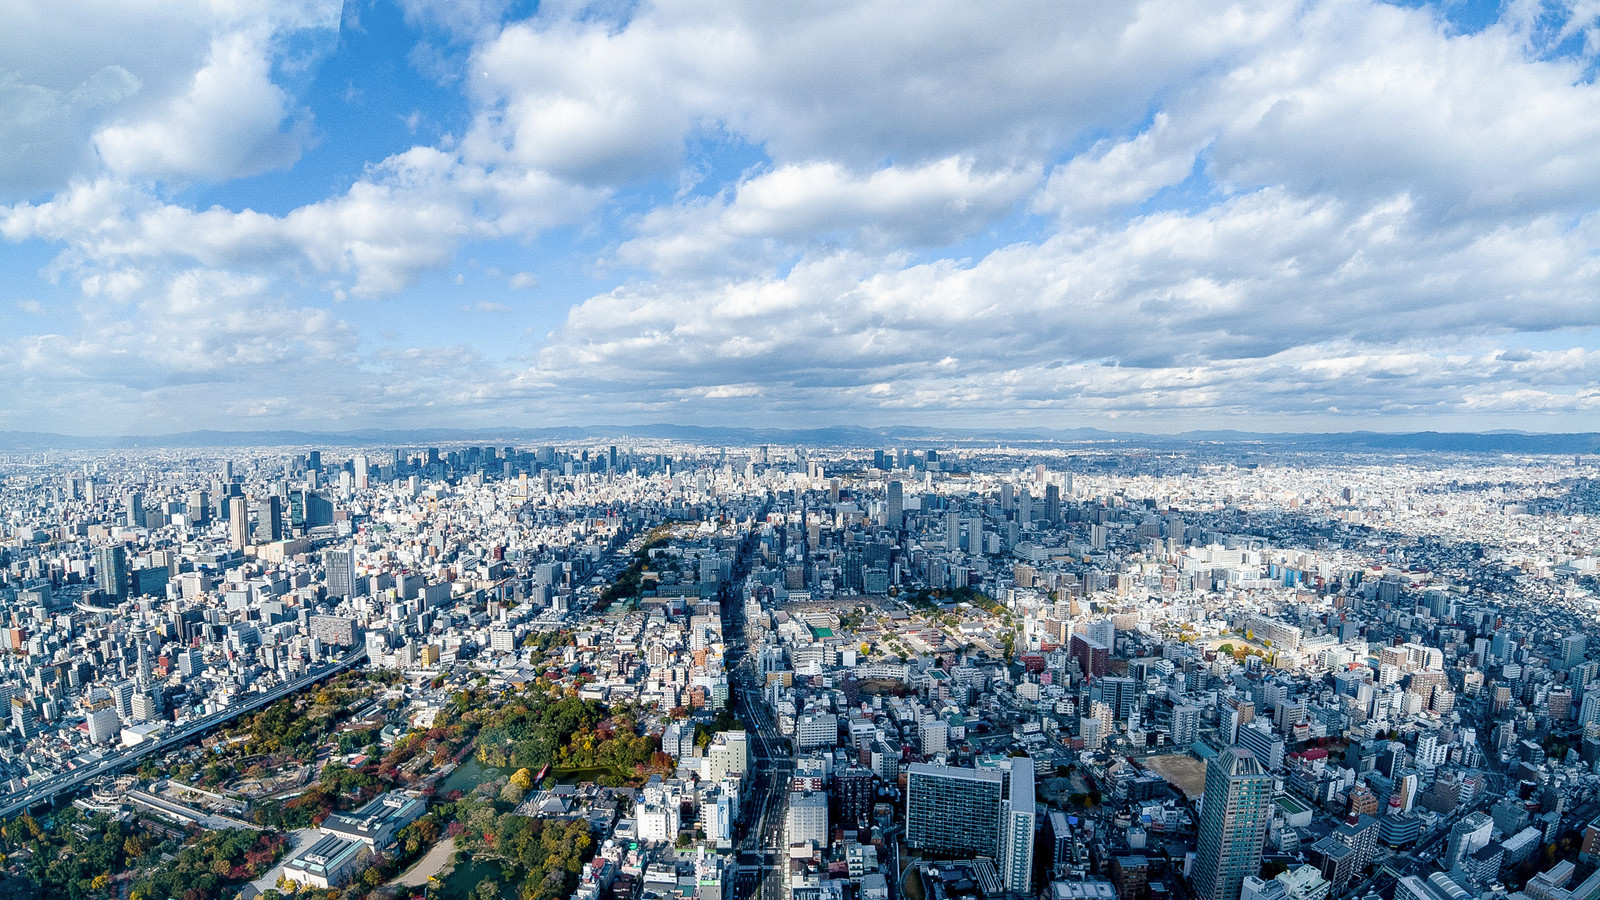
x=1330 y=214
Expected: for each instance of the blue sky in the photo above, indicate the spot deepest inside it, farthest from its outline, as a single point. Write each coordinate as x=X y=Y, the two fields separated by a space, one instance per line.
x=1160 y=216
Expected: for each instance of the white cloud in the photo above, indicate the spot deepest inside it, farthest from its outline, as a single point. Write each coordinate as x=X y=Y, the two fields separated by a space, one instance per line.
x=1266 y=205
x=1176 y=304
x=926 y=205
x=230 y=123
x=43 y=131
x=1111 y=175
x=181 y=90
x=407 y=217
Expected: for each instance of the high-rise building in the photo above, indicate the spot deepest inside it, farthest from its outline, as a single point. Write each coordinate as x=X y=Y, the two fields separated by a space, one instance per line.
x=238 y=523
x=111 y=571
x=1185 y=724
x=853 y=795
x=1467 y=836
x=1572 y=649
x=897 y=505
x=954 y=811
x=269 y=521
x=135 y=510
x=1016 y=847
x=1233 y=824
x=104 y=726
x=1093 y=657
x=340 y=566
x=807 y=818
x=197 y=508
x=23 y=721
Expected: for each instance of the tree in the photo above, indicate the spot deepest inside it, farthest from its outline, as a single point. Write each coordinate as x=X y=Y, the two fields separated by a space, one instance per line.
x=523 y=779
x=513 y=792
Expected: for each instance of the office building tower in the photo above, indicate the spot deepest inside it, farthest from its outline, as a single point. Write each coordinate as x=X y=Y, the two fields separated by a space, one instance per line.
x=238 y=523
x=23 y=721
x=111 y=571
x=197 y=508
x=340 y=566
x=1257 y=738
x=807 y=819
x=269 y=521
x=104 y=726
x=1467 y=836
x=363 y=477
x=897 y=505
x=1233 y=824
x=135 y=510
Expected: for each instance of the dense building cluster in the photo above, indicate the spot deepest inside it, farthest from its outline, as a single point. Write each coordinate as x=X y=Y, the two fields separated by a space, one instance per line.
x=1060 y=671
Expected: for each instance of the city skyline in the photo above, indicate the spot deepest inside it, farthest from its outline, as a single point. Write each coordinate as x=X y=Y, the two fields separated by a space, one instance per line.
x=1270 y=216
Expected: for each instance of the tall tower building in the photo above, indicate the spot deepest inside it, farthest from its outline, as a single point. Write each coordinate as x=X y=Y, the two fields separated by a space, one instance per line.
x=111 y=571
x=269 y=521
x=1233 y=824
x=1016 y=847
x=341 y=572
x=238 y=523
x=897 y=505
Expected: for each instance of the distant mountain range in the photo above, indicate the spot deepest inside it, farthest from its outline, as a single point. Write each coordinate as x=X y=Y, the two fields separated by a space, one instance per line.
x=834 y=436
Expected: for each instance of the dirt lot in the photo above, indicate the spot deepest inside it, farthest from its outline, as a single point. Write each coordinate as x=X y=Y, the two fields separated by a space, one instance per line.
x=1183 y=772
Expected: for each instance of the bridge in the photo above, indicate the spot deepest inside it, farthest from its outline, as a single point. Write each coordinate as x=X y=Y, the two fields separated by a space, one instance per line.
x=46 y=791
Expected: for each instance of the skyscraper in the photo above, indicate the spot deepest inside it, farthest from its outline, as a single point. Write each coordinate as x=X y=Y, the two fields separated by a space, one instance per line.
x=341 y=572
x=897 y=505
x=1016 y=848
x=1233 y=824
x=238 y=523
x=269 y=521
x=111 y=571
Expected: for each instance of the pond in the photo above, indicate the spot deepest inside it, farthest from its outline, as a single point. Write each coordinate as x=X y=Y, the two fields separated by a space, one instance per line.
x=464 y=878
x=469 y=775
x=579 y=776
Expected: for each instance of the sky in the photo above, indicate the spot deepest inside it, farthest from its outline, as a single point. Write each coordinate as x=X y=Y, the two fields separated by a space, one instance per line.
x=1319 y=215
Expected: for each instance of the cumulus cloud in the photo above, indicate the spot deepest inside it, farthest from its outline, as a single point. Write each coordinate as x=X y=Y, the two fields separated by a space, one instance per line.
x=405 y=218
x=927 y=205
x=230 y=123
x=165 y=90
x=1339 y=207
x=1235 y=289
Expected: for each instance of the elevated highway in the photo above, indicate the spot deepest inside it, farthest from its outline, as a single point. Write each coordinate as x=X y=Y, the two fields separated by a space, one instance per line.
x=46 y=791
